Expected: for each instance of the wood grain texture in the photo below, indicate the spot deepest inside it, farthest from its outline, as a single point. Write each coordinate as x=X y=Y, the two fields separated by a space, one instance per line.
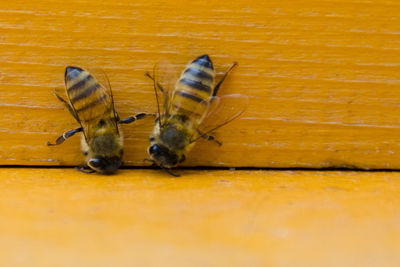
x=322 y=76
x=53 y=217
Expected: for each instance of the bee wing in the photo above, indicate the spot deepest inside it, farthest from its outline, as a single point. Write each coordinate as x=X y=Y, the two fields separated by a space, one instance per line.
x=93 y=102
x=59 y=92
x=103 y=80
x=165 y=77
x=222 y=111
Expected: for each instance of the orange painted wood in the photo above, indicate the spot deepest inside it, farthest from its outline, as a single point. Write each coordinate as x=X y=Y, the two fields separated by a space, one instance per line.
x=322 y=76
x=60 y=217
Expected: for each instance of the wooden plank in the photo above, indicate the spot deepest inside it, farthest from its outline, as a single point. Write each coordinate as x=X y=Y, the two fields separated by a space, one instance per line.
x=60 y=217
x=322 y=76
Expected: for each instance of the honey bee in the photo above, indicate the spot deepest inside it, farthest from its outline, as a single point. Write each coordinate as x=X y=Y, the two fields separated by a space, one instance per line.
x=92 y=105
x=191 y=110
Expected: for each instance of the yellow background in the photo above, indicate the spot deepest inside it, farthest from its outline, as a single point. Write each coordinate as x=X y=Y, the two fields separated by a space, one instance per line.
x=60 y=217
x=322 y=76
x=323 y=81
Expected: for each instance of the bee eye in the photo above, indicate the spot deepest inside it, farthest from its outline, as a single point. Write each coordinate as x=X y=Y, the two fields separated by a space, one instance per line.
x=95 y=163
x=155 y=150
x=102 y=123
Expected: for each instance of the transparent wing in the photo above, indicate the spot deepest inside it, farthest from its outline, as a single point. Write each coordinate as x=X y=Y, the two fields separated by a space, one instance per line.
x=165 y=76
x=190 y=105
x=94 y=103
x=59 y=92
x=222 y=111
x=103 y=80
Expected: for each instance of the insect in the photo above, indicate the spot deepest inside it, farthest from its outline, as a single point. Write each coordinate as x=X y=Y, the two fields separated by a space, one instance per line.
x=191 y=110
x=92 y=105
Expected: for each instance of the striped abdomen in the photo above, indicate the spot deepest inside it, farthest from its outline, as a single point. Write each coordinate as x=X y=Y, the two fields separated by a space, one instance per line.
x=89 y=98
x=194 y=89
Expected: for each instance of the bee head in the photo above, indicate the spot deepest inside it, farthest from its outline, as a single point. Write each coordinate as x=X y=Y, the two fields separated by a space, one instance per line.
x=165 y=157
x=105 y=165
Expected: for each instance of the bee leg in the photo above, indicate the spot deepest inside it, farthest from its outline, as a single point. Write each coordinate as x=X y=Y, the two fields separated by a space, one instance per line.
x=149 y=75
x=157 y=84
x=170 y=172
x=70 y=109
x=162 y=167
x=65 y=135
x=216 y=88
x=134 y=118
x=116 y=115
x=209 y=137
x=82 y=169
x=152 y=161
x=212 y=138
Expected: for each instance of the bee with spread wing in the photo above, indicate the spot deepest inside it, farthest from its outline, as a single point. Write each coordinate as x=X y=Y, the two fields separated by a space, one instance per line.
x=191 y=110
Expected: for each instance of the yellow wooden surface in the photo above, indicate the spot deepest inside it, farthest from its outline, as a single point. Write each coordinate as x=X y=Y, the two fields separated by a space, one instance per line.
x=322 y=76
x=53 y=217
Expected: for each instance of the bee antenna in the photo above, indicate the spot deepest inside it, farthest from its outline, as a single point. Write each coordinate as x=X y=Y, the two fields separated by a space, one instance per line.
x=162 y=167
x=152 y=161
x=169 y=172
x=82 y=169
x=155 y=91
x=147 y=159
